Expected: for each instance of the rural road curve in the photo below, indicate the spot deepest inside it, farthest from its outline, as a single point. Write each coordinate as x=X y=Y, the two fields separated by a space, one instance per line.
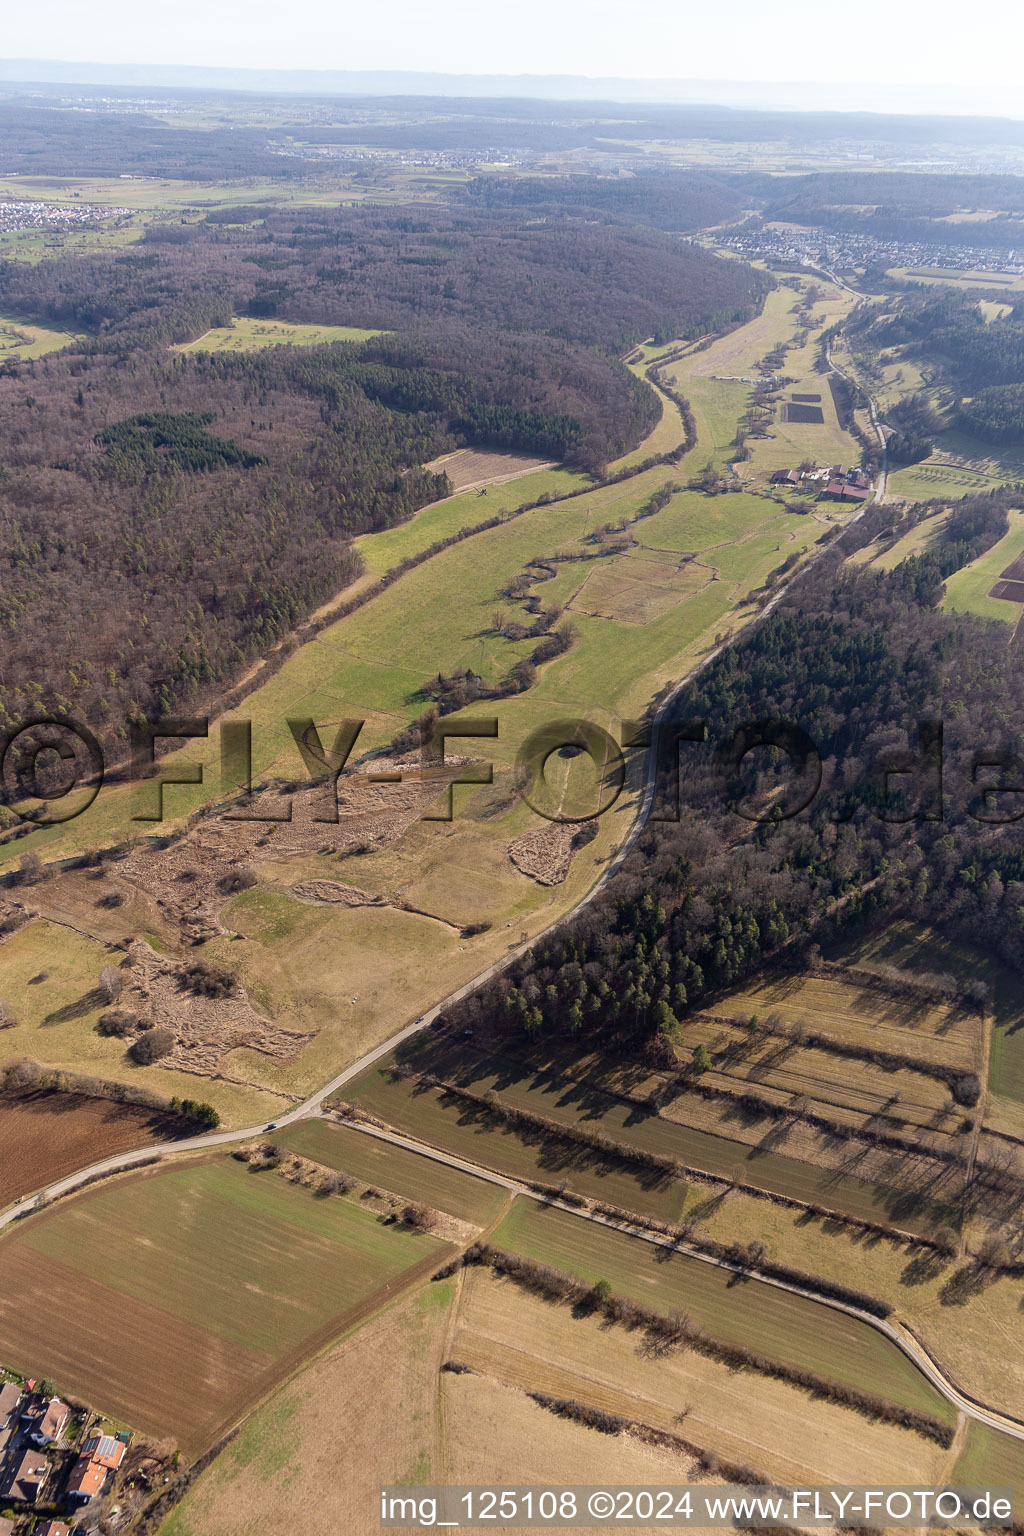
x=122 y=1161
x=905 y=1341
x=313 y=1104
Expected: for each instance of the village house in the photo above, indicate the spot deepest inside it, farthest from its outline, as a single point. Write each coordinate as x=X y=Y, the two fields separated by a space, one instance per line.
x=49 y=1528
x=842 y=490
x=44 y=1423
x=24 y=1480
x=101 y=1455
x=785 y=477
x=6 y=1526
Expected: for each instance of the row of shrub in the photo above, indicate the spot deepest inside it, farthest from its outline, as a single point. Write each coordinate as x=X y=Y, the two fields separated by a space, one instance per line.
x=27 y=1076
x=677 y=1330
x=622 y=1152
x=964 y=1086
x=626 y=1154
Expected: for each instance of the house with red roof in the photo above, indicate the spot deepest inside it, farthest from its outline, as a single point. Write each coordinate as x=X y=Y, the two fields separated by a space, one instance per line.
x=101 y=1455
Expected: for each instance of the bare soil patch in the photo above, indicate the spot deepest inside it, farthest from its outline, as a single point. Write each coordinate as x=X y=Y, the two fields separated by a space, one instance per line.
x=470 y=468
x=46 y=1135
x=806 y=399
x=1015 y=570
x=330 y=893
x=544 y=854
x=809 y=415
x=1012 y=591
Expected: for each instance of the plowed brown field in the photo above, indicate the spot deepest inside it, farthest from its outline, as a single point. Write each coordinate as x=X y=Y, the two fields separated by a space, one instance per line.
x=45 y=1136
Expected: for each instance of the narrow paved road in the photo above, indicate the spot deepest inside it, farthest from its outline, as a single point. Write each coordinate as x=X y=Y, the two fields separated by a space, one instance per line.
x=905 y=1341
x=882 y=483
x=312 y=1106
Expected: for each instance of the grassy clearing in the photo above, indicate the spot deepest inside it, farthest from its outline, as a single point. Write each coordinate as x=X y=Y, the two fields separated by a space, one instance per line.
x=24 y=339
x=308 y=1450
x=786 y=1328
x=400 y=1172
x=246 y=335
x=172 y=1254
x=885 y=554
x=967 y=591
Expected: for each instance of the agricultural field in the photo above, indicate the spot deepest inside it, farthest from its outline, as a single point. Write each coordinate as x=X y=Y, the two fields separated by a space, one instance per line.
x=970 y=590
x=843 y=1009
x=990 y=1459
x=809 y=1174
x=911 y=947
x=407 y=1174
x=45 y=1135
x=1001 y=281
x=168 y=1253
x=307 y=1450
x=415 y=1425
x=246 y=335
x=495 y=1434
x=826 y=1082
x=954 y=1310
x=786 y=1328
x=471 y=469
x=505 y=1333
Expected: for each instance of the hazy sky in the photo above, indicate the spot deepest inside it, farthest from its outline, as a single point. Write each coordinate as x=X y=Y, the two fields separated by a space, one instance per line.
x=879 y=41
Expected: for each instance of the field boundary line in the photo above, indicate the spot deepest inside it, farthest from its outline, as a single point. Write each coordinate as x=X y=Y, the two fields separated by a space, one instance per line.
x=900 y=1334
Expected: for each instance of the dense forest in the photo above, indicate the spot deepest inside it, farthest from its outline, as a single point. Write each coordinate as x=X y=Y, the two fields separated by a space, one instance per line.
x=855 y=659
x=598 y=285
x=222 y=510
x=104 y=133
x=672 y=200
x=168 y=517
x=47 y=141
x=900 y=194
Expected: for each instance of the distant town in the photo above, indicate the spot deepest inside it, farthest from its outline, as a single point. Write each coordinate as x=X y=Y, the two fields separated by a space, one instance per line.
x=846 y=250
x=31 y=215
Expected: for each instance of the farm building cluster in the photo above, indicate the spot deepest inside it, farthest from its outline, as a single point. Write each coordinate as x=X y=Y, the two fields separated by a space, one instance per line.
x=53 y=1461
x=836 y=482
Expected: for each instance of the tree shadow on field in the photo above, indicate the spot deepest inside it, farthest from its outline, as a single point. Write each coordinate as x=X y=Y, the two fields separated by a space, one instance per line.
x=968 y=1282
x=95 y=998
